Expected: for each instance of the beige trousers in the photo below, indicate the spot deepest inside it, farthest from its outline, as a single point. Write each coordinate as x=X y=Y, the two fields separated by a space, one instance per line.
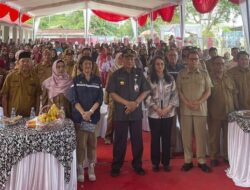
x=194 y=125
x=86 y=145
x=214 y=131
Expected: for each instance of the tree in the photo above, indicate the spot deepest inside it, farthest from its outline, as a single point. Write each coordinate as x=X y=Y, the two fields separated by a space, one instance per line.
x=101 y=27
x=222 y=13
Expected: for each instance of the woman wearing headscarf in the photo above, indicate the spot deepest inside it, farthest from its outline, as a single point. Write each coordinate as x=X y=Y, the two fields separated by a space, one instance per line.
x=161 y=102
x=57 y=87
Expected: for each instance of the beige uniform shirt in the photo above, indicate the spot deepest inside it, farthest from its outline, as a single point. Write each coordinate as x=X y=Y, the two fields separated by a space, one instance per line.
x=193 y=85
x=223 y=98
x=43 y=72
x=241 y=79
x=69 y=68
x=22 y=92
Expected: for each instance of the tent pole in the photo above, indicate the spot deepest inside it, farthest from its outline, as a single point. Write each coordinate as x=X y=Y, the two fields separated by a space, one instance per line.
x=151 y=27
x=20 y=27
x=34 y=21
x=182 y=23
x=248 y=23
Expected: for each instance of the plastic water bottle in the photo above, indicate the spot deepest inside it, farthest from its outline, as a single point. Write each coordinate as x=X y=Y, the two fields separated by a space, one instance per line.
x=62 y=113
x=13 y=112
x=32 y=113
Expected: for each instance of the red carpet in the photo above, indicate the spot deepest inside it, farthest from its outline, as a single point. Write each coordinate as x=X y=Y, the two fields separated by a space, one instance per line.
x=174 y=180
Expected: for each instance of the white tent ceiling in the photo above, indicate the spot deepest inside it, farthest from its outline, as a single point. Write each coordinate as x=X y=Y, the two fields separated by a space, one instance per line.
x=131 y=8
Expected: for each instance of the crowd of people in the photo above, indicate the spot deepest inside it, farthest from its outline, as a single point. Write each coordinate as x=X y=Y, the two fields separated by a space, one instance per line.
x=199 y=88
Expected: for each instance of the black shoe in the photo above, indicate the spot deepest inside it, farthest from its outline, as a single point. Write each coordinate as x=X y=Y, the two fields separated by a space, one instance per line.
x=204 y=168
x=140 y=171
x=187 y=166
x=155 y=168
x=214 y=163
x=226 y=161
x=115 y=172
x=167 y=168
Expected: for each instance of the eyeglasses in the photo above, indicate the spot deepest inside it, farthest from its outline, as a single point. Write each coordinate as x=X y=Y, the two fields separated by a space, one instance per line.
x=194 y=59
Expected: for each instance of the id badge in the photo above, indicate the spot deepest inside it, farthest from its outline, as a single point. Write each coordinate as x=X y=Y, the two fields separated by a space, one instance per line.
x=136 y=86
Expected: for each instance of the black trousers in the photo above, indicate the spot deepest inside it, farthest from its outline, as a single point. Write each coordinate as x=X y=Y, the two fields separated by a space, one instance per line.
x=120 y=142
x=160 y=133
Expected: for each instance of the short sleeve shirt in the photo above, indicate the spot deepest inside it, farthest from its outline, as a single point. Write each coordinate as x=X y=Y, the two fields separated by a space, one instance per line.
x=241 y=78
x=221 y=102
x=129 y=86
x=193 y=85
x=43 y=72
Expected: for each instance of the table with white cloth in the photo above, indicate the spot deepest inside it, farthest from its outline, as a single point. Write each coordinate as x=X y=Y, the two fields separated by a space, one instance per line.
x=239 y=149
x=38 y=160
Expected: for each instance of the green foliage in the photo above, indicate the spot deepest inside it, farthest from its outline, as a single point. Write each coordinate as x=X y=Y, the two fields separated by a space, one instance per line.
x=221 y=14
x=101 y=27
x=74 y=20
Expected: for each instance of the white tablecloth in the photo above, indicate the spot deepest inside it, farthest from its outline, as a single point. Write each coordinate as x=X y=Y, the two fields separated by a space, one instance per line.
x=41 y=171
x=238 y=155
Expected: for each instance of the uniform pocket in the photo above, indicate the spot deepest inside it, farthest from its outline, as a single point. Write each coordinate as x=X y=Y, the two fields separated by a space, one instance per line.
x=31 y=89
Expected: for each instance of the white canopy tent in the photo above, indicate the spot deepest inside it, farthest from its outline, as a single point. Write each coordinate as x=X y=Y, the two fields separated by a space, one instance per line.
x=129 y=8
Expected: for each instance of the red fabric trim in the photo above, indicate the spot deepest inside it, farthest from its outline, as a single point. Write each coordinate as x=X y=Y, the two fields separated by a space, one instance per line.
x=109 y=16
x=25 y=17
x=142 y=20
x=4 y=10
x=155 y=14
x=237 y=2
x=204 y=6
x=167 y=13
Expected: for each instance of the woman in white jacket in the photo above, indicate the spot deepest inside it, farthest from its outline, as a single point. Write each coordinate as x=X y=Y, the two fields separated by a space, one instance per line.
x=161 y=103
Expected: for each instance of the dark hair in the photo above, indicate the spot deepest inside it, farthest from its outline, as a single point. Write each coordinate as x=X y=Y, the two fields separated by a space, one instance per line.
x=192 y=52
x=82 y=59
x=235 y=48
x=153 y=75
x=212 y=49
x=242 y=53
x=216 y=57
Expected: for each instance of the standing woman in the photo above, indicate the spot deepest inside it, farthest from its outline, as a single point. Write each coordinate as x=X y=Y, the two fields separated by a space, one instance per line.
x=86 y=98
x=57 y=87
x=161 y=102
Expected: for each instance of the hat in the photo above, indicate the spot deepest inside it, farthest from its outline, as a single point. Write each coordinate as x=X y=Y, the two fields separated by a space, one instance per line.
x=128 y=52
x=24 y=54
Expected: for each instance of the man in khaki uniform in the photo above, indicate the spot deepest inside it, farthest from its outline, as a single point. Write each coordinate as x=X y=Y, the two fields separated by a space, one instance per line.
x=194 y=86
x=212 y=53
x=241 y=76
x=44 y=70
x=21 y=89
x=222 y=101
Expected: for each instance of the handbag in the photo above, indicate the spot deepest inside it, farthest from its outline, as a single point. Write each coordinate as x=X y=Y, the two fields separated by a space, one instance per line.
x=87 y=126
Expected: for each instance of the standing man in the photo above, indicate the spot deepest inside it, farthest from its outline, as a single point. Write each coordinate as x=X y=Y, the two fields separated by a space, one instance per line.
x=212 y=53
x=174 y=68
x=221 y=102
x=21 y=89
x=241 y=76
x=128 y=88
x=233 y=63
x=194 y=86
